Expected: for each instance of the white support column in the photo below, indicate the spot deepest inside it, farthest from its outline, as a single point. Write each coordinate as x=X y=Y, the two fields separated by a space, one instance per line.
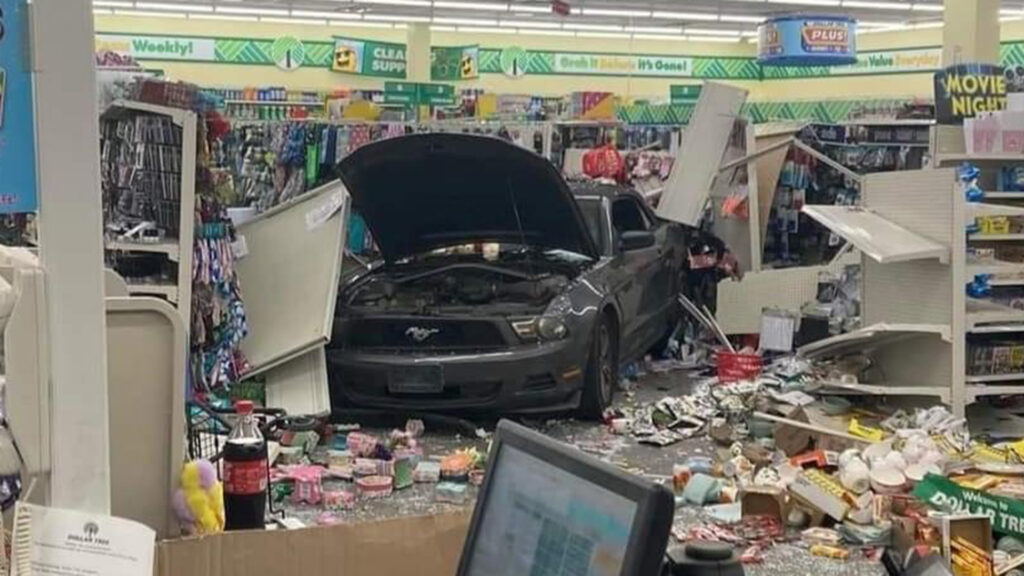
x=71 y=250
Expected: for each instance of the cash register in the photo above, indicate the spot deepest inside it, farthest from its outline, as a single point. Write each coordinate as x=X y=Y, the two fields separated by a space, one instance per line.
x=548 y=509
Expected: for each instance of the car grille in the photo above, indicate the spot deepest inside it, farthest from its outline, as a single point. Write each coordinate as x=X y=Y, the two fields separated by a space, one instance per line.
x=424 y=334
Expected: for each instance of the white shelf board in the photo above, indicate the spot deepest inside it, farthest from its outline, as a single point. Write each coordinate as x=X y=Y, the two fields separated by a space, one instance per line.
x=1011 y=281
x=875 y=236
x=883 y=389
x=169 y=248
x=971 y=157
x=974 y=391
x=996 y=237
x=975 y=267
x=1005 y=195
x=178 y=115
x=980 y=209
x=873 y=335
x=980 y=312
x=169 y=291
x=272 y=103
x=996 y=378
x=888 y=122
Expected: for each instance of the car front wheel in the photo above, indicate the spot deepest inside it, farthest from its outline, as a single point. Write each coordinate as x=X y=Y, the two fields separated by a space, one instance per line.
x=602 y=370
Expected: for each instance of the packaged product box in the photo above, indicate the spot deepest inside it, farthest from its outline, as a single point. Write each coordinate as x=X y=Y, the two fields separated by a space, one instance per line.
x=410 y=546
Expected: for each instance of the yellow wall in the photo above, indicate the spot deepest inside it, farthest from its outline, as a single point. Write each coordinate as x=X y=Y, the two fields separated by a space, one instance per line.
x=220 y=75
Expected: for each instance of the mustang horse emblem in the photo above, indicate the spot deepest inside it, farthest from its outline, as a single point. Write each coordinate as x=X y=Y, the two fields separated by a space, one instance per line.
x=420 y=334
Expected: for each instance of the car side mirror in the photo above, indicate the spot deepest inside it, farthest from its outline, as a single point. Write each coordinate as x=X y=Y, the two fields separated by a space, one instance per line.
x=636 y=240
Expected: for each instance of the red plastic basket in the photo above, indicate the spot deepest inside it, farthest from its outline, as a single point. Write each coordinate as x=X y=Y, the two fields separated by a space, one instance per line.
x=733 y=366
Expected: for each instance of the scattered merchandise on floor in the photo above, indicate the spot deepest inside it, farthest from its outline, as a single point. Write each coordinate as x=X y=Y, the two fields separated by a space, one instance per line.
x=775 y=466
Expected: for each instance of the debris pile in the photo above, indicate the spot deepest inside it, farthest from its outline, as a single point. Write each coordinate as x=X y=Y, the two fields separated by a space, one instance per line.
x=796 y=462
x=324 y=473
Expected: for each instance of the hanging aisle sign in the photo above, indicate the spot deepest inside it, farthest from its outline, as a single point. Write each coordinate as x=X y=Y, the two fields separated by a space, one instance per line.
x=454 y=63
x=965 y=90
x=17 y=121
x=807 y=41
x=368 y=58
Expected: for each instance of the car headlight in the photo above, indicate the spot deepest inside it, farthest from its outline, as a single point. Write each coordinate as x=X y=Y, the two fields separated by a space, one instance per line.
x=551 y=328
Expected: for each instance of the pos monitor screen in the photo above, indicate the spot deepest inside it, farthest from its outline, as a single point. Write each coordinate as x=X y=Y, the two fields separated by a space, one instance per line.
x=546 y=509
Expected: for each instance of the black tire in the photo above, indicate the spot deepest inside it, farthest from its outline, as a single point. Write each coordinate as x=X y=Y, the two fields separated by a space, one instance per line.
x=602 y=373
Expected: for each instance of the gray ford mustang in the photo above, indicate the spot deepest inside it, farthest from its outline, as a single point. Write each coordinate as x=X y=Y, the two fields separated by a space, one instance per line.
x=502 y=287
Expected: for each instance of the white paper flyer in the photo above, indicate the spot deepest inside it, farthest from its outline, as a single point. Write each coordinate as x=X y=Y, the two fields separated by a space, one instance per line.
x=53 y=542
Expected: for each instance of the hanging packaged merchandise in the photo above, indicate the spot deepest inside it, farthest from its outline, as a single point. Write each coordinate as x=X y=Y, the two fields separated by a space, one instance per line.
x=603 y=162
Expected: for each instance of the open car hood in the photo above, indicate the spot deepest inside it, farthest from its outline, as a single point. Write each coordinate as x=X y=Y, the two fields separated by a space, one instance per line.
x=427 y=191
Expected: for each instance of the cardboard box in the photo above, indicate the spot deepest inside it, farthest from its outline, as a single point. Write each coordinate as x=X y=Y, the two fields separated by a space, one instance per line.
x=414 y=546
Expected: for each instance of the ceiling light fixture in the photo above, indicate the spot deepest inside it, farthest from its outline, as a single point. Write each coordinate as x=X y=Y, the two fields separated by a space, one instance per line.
x=741 y=19
x=928 y=7
x=442 y=28
x=297 y=21
x=807 y=2
x=926 y=25
x=529 y=24
x=360 y=24
x=477 y=30
x=105 y=4
x=685 y=16
x=464 y=21
x=654 y=30
x=149 y=14
x=396 y=18
x=720 y=39
x=223 y=17
x=102 y=12
x=548 y=32
x=658 y=37
x=594 y=27
x=416 y=3
x=318 y=14
x=602 y=35
x=531 y=9
x=749 y=34
x=872 y=5
x=712 y=32
x=493 y=7
x=174 y=7
x=251 y=11
x=623 y=13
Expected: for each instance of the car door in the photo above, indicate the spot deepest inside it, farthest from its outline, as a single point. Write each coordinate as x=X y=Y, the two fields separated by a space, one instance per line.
x=642 y=268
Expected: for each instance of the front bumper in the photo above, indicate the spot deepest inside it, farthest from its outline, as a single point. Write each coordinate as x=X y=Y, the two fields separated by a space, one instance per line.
x=528 y=378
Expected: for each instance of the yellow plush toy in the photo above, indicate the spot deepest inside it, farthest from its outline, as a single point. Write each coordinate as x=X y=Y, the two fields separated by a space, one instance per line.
x=199 y=503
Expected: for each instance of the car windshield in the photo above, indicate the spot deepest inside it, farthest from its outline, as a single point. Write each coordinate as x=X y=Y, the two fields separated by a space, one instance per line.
x=592 y=209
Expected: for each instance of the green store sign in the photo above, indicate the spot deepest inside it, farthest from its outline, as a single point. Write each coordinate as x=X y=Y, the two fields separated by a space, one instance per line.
x=413 y=93
x=387 y=60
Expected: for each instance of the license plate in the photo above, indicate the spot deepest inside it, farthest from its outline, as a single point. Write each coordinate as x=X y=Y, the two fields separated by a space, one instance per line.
x=415 y=379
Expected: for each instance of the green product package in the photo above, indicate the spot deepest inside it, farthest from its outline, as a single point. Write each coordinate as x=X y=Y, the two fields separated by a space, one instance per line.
x=312 y=164
x=1007 y=514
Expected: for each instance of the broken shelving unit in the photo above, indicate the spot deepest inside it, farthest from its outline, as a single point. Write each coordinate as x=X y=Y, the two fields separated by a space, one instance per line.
x=912 y=258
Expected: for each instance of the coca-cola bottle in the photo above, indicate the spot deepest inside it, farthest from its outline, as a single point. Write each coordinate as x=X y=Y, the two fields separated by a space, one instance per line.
x=245 y=473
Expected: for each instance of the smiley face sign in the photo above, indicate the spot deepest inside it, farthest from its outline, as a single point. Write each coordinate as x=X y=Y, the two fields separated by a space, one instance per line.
x=346 y=59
